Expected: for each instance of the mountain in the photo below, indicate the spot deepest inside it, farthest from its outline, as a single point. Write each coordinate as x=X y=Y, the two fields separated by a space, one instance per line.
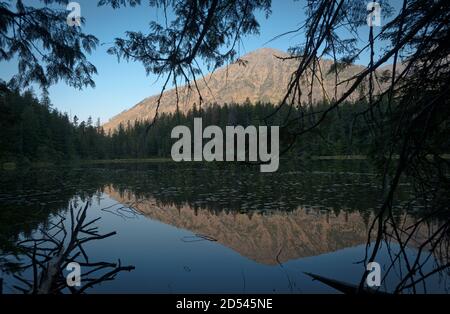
x=261 y=77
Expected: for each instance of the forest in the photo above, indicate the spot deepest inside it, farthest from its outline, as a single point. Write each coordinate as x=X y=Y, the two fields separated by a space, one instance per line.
x=32 y=130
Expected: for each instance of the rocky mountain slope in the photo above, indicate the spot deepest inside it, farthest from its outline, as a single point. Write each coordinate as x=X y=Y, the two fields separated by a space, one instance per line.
x=262 y=77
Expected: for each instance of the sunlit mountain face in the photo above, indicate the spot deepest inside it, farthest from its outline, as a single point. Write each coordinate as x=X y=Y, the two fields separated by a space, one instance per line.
x=260 y=76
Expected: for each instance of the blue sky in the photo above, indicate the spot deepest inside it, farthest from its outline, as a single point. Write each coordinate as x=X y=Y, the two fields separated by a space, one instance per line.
x=120 y=86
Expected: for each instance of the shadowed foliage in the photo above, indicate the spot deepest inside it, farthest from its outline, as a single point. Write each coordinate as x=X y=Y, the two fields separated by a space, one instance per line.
x=44 y=46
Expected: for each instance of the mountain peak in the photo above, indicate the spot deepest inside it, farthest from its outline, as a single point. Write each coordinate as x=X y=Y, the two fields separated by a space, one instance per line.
x=265 y=52
x=263 y=77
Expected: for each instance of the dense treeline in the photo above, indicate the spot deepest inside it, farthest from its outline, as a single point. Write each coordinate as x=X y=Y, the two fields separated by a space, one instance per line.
x=31 y=130
x=339 y=134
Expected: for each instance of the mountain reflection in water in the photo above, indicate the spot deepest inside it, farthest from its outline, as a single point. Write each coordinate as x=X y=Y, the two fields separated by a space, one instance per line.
x=200 y=229
x=263 y=238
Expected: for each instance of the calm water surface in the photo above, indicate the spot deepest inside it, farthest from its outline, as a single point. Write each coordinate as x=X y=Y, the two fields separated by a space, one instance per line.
x=207 y=229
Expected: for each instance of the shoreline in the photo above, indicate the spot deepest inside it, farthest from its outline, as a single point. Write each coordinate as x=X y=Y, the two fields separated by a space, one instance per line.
x=14 y=165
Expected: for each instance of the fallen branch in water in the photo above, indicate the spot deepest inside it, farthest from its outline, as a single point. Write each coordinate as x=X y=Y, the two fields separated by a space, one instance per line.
x=60 y=245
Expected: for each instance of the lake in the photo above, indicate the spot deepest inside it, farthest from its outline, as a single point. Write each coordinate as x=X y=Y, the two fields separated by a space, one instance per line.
x=208 y=228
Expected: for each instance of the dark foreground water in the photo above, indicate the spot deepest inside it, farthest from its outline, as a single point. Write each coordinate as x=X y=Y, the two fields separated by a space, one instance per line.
x=196 y=228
